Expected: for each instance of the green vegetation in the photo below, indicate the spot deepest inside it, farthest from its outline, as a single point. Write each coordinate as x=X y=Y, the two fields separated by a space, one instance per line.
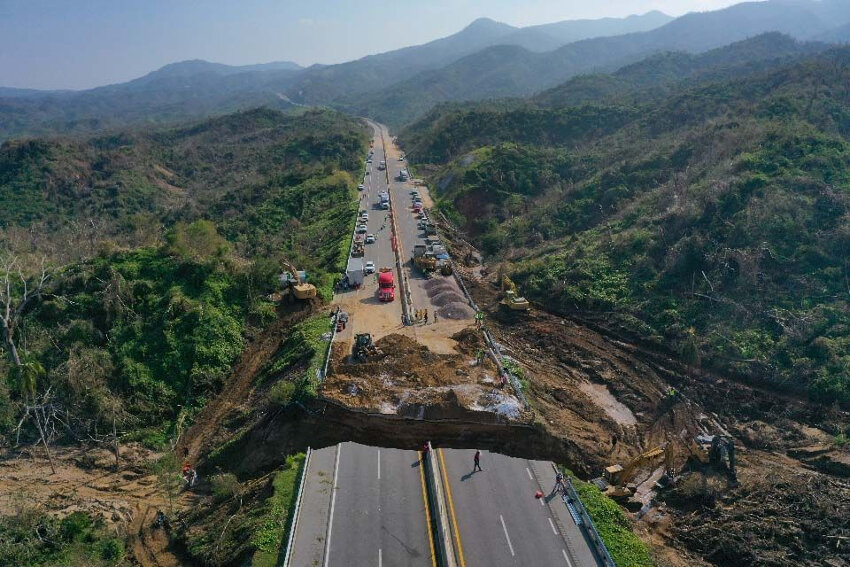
x=613 y=526
x=712 y=219
x=32 y=538
x=164 y=246
x=274 y=530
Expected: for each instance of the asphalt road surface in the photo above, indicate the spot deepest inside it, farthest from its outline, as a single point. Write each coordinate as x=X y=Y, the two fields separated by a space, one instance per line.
x=363 y=506
x=499 y=522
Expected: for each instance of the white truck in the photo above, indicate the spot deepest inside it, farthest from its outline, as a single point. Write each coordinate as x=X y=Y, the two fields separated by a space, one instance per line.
x=354 y=272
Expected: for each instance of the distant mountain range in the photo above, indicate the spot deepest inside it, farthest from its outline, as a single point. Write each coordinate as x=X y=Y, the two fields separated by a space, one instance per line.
x=487 y=59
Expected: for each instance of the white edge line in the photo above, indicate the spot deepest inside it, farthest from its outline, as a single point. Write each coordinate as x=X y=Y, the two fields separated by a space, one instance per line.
x=529 y=473
x=380 y=558
x=551 y=523
x=507 y=537
x=379 y=465
x=333 y=503
x=566 y=558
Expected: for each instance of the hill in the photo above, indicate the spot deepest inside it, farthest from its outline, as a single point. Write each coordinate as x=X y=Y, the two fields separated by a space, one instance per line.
x=187 y=226
x=195 y=89
x=711 y=221
x=451 y=129
x=502 y=71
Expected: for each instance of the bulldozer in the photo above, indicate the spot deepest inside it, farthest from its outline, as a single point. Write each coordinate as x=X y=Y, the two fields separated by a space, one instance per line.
x=295 y=284
x=364 y=347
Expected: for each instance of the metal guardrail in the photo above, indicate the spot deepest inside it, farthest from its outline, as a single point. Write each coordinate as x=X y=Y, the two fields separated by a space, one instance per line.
x=323 y=371
x=573 y=502
x=297 y=510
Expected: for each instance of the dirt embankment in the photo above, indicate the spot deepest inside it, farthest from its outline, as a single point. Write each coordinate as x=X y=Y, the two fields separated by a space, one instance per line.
x=608 y=395
x=406 y=378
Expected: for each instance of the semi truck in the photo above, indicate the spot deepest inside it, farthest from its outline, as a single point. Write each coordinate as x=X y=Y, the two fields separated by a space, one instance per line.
x=386 y=285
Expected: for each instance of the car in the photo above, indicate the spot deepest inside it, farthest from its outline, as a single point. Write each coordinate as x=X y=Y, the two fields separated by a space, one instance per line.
x=421 y=224
x=370 y=238
x=400 y=158
x=361 y=187
x=368 y=172
x=414 y=194
x=369 y=268
x=364 y=217
x=361 y=229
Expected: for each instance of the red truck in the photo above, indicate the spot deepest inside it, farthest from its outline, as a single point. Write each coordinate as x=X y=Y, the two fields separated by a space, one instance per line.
x=386 y=285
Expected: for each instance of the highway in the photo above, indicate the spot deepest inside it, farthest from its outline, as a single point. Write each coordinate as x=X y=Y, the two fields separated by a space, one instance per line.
x=367 y=313
x=367 y=505
x=363 y=506
x=499 y=521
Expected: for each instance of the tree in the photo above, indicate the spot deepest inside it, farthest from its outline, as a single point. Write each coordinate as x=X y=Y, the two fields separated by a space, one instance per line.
x=20 y=289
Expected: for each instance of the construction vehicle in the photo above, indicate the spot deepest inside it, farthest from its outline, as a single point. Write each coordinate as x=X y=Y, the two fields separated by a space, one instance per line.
x=717 y=451
x=513 y=300
x=386 y=285
x=363 y=347
x=357 y=248
x=423 y=259
x=354 y=273
x=515 y=303
x=620 y=478
x=295 y=283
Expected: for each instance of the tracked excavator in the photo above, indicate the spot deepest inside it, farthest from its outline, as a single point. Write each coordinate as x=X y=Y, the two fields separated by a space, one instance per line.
x=619 y=478
x=717 y=451
x=513 y=300
x=295 y=284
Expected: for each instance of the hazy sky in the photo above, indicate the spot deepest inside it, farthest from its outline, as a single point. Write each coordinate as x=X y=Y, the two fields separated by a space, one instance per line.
x=84 y=43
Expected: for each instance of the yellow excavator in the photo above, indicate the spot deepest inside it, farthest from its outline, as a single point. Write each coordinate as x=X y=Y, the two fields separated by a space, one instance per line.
x=295 y=283
x=619 y=478
x=513 y=300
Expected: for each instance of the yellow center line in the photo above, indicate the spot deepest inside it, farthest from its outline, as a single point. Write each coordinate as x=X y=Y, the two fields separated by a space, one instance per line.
x=427 y=511
x=451 y=508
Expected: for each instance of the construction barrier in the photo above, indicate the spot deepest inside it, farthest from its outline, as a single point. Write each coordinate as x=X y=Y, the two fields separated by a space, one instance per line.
x=297 y=510
x=439 y=510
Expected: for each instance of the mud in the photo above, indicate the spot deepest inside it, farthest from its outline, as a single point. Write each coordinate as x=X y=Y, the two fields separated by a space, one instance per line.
x=408 y=379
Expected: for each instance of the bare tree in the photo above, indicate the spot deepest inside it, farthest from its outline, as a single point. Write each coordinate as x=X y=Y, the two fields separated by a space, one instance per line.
x=19 y=289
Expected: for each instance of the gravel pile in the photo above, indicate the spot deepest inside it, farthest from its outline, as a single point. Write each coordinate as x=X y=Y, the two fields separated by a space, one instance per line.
x=438 y=289
x=456 y=310
x=445 y=298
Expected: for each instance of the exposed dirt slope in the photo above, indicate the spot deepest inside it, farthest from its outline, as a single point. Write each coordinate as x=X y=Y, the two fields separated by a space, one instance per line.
x=607 y=394
x=198 y=438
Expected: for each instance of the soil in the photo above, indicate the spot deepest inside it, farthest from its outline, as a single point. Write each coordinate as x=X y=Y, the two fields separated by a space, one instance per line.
x=407 y=377
x=607 y=394
x=86 y=480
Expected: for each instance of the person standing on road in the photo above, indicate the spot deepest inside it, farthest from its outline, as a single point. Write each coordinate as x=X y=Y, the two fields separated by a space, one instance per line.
x=559 y=482
x=435 y=316
x=477 y=461
x=426 y=316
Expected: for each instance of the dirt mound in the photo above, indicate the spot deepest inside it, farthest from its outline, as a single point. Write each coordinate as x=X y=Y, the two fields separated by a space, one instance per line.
x=437 y=290
x=433 y=287
x=456 y=310
x=445 y=298
x=469 y=340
